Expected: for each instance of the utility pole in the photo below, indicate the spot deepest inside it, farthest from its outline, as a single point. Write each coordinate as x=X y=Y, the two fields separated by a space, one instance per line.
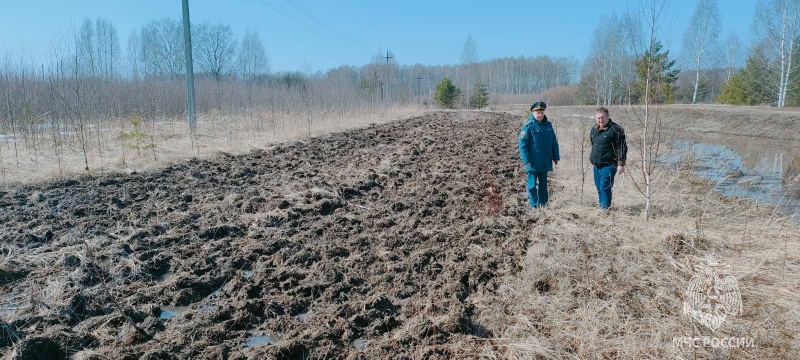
x=419 y=89
x=387 y=57
x=187 y=49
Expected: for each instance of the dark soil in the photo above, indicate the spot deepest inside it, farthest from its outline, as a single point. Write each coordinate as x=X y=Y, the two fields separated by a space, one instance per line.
x=364 y=244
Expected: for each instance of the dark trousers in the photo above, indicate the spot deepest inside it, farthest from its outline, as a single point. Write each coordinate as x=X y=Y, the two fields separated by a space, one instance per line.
x=537 y=188
x=604 y=181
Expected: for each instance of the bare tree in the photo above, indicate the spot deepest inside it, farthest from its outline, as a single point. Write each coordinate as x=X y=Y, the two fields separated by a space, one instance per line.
x=162 y=48
x=306 y=94
x=700 y=41
x=87 y=52
x=107 y=48
x=134 y=54
x=68 y=86
x=469 y=53
x=2 y=134
x=253 y=62
x=469 y=57
x=649 y=140
x=252 y=59
x=9 y=111
x=776 y=26
x=214 y=49
x=733 y=54
x=609 y=65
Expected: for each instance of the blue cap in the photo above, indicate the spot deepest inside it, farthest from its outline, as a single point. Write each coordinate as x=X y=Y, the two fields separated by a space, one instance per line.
x=539 y=105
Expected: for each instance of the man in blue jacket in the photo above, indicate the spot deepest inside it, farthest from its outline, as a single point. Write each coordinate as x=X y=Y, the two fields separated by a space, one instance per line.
x=538 y=148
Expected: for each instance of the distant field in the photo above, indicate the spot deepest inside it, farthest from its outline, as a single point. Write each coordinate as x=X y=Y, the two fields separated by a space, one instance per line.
x=164 y=141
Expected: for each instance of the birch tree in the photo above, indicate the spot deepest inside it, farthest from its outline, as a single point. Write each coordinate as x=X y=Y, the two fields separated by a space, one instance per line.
x=86 y=51
x=107 y=49
x=253 y=61
x=252 y=58
x=469 y=57
x=733 y=54
x=134 y=54
x=776 y=26
x=653 y=68
x=609 y=65
x=700 y=41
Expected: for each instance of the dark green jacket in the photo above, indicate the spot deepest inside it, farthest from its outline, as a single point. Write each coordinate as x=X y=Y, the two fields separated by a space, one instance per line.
x=538 y=146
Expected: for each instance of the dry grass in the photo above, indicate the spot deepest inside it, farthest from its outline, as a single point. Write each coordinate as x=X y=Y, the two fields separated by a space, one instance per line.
x=504 y=101
x=216 y=133
x=600 y=286
x=597 y=286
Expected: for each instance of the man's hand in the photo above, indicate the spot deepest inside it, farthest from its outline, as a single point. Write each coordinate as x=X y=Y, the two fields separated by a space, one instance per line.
x=621 y=169
x=555 y=162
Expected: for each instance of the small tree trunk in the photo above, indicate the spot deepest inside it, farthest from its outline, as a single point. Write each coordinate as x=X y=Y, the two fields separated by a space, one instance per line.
x=10 y=118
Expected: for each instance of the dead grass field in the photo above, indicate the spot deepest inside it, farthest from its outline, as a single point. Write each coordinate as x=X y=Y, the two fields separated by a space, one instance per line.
x=600 y=286
x=171 y=142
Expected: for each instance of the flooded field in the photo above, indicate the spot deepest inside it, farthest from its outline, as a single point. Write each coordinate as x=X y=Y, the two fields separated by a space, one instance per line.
x=761 y=169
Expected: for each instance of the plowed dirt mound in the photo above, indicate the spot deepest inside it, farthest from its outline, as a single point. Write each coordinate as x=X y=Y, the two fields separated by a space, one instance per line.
x=362 y=244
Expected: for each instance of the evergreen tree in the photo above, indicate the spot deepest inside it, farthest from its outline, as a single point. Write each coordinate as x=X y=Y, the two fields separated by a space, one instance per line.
x=656 y=62
x=480 y=97
x=446 y=93
x=748 y=86
x=793 y=93
x=735 y=92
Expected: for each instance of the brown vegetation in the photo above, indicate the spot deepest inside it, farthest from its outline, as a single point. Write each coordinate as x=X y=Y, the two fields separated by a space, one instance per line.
x=384 y=242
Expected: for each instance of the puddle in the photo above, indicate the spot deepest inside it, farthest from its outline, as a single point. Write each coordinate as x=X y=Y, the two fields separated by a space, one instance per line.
x=9 y=310
x=209 y=305
x=208 y=308
x=304 y=316
x=261 y=340
x=11 y=307
x=765 y=175
x=360 y=344
x=172 y=311
x=166 y=277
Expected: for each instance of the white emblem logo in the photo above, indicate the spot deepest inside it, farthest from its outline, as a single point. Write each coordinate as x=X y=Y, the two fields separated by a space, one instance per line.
x=713 y=295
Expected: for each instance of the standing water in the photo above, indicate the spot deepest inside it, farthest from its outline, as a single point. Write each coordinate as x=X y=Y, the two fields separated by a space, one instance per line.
x=261 y=340
x=756 y=169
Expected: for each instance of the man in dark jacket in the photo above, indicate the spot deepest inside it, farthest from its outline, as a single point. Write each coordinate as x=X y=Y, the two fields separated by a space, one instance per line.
x=609 y=151
x=538 y=148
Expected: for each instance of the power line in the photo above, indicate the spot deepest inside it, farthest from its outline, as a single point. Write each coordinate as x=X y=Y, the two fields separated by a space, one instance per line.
x=312 y=30
x=387 y=57
x=187 y=49
x=419 y=89
x=331 y=28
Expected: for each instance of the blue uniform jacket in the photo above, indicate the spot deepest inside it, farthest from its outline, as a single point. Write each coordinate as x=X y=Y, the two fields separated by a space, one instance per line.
x=538 y=146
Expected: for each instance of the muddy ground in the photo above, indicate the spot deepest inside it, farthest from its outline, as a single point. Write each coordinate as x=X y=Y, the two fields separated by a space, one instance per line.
x=364 y=244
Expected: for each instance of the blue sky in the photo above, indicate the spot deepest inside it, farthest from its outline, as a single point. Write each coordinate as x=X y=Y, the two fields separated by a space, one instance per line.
x=426 y=32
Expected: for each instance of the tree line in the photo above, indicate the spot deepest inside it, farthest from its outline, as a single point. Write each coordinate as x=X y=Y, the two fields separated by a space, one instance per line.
x=707 y=69
x=88 y=77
